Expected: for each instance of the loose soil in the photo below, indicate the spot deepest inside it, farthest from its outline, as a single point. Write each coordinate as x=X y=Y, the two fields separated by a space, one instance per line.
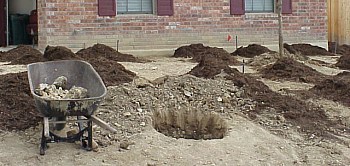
x=306 y=49
x=198 y=51
x=344 y=62
x=53 y=53
x=103 y=51
x=310 y=118
x=335 y=88
x=343 y=49
x=251 y=51
x=17 y=109
x=291 y=70
x=22 y=54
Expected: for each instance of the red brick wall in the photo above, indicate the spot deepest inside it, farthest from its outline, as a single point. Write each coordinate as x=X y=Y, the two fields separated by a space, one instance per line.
x=75 y=23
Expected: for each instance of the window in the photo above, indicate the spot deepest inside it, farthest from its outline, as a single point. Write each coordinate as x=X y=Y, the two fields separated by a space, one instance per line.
x=259 y=6
x=135 y=6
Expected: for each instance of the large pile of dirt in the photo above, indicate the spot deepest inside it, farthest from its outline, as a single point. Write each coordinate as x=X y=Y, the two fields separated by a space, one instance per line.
x=209 y=67
x=310 y=118
x=251 y=51
x=198 y=51
x=291 y=70
x=336 y=88
x=306 y=49
x=101 y=50
x=343 y=49
x=53 y=53
x=111 y=72
x=344 y=62
x=22 y=54
x=17 y=109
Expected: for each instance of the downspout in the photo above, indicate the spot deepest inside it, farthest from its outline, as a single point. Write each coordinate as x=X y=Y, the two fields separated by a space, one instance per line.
x=7 y=23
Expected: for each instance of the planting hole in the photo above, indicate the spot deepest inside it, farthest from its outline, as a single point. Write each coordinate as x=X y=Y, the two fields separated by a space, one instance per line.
x=190 y=124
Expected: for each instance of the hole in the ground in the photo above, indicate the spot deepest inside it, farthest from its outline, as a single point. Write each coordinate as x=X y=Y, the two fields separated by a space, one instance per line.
x=190 y=124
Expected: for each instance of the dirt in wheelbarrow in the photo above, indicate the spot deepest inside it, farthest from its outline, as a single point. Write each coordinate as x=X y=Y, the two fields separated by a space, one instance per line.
x=251 y=51
x=22 y=54
x=289 y=69
x=17 y=109
x=198 y=51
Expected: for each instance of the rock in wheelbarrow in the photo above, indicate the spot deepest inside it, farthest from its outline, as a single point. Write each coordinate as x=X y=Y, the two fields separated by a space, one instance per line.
x=76 y=93
x=60 y=82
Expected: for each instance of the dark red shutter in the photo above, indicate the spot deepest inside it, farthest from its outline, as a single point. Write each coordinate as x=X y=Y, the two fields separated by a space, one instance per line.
x=237 y=7
x=286 y=6
x=107 y=8
x=165 y=7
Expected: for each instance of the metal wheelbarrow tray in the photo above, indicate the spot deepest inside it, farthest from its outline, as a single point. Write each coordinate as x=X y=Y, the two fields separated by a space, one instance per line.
x=78 y=73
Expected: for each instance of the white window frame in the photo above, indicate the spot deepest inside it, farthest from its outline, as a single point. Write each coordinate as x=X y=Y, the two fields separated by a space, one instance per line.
x=260 y=11
x=137 y=12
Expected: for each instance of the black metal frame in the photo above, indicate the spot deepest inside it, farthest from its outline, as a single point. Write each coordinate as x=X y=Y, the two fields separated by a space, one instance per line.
x=53 y=138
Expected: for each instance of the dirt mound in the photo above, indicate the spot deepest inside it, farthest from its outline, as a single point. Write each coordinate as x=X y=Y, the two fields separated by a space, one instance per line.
x=53 y=53
x=336 y=88
x=251 y=51
x=101 y=50
x=17 y=109
x=309 y=117
x=198 y=51
x=209 y=67
x=291 y=70
x=343 y=49
x=112 y=72
x=344 y=62
x=22 y=54
x=306 y=49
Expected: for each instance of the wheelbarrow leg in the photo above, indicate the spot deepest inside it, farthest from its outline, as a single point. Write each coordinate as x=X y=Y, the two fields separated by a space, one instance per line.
x=89 y=148
x=43 y=144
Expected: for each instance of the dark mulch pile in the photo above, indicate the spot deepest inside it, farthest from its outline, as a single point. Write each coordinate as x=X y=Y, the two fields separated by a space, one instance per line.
x=198 y=51
x=310 y=118
x=111 y=72
x=291 y=70
x=53 y=53
x=343 y=49
x=101 y=50
x=22 y=54
x=306 y=49
x=251 y=51
x=17 y=109
x=344 y=62
x=336 y=88
x=209 y=67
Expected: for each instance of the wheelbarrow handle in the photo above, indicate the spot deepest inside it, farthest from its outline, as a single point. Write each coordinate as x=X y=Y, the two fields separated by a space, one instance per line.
x=103 y=124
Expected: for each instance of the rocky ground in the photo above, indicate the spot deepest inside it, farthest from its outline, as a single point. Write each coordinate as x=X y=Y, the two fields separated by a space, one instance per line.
x=165 y=116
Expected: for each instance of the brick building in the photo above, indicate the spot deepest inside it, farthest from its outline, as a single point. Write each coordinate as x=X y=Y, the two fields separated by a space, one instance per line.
x=167 y=24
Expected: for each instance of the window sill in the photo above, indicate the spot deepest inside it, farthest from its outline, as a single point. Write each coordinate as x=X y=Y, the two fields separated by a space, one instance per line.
x=260 y=15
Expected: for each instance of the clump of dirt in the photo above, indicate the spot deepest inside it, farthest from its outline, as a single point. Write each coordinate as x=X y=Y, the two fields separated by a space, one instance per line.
x=53 y=53
x=198 y=51
x=22 y=54
x=17 y=109
x=251 y=51
x=209 y=67
x=112 y=72
x=335 y=88
x=101 y=50
x=343 y=49
x=291 y=70
x=190 y=124
x=306 y=49
x=344 y=62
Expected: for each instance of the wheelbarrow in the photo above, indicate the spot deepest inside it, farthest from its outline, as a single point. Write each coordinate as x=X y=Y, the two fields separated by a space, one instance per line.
x=55 y=111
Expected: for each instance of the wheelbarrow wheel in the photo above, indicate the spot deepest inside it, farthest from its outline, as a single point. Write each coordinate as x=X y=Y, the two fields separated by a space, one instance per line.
x=60 y=126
